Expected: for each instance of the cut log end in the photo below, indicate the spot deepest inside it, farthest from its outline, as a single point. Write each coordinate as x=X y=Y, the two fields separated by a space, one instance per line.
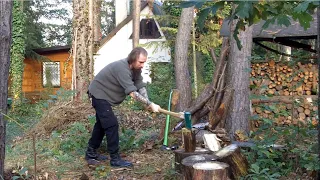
x=203 y=166
x=180 y=154
x=209 y=166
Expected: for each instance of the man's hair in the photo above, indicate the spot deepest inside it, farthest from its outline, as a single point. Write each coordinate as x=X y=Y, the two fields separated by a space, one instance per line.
x=135 y=53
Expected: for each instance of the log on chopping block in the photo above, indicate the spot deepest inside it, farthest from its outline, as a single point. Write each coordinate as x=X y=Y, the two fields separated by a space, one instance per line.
x=204 y=167
x=234 y=158
x=180 y=154
x=189 y=140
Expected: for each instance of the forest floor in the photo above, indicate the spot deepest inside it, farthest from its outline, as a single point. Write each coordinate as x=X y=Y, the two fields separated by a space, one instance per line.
x=62 y=133
x=62 y=130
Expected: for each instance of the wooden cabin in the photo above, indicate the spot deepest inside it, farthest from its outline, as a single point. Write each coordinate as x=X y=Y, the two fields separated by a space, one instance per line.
x=42 y=78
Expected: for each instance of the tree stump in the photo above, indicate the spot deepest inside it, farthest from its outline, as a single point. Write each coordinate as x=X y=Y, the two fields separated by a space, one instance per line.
x=233 y=157
x=180 y=154
x=203 y=167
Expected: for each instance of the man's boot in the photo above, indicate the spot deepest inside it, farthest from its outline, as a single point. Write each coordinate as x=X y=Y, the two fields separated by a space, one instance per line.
x=116 y=161
x=93 y=158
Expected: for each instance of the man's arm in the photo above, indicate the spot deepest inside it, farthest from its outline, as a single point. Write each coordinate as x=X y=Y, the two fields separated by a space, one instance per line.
x=142 y=97
x=143 y=92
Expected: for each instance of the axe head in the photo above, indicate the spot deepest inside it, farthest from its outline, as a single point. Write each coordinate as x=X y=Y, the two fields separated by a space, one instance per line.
x=179 y=126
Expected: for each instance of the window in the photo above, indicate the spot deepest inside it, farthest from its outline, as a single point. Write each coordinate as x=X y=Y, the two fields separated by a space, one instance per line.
x=51 y=74
x=148 y=29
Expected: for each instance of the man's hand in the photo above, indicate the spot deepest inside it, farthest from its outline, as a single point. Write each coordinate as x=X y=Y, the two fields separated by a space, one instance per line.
x=154 y=107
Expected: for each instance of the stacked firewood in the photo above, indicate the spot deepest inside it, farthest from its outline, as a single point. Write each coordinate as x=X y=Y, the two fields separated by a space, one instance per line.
x=283 y=80
x=290 y=92
x=287 y=114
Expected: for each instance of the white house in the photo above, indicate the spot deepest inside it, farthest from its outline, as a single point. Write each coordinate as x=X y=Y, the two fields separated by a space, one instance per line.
x=118 y=43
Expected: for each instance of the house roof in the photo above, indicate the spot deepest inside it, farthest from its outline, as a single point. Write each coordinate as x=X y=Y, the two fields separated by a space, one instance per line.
x=156 y=10
x=53 y=49
x=295 y=30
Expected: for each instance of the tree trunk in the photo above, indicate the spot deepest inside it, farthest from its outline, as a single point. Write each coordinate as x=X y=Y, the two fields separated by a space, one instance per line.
x=238 y=79
x=91 y=36
x=136 y=22
x=181 y=58
x=97 y=25
x=5 y=43
x=82 y=49
x=17 y=51
x=318 y=53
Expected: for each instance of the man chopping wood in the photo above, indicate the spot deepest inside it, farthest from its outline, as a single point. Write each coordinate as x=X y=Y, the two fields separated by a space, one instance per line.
x=109 y=88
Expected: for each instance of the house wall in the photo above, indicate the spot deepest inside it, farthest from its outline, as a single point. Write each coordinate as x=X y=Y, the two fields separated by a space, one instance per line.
x=32 y=75
x=119 y=46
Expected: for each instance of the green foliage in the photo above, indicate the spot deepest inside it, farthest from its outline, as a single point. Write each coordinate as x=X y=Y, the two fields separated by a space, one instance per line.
x=130 y=140
x=33 y=32
x=17 y=52
x=102 y=172
x=162 y=75
x=250 y=12
x=21 y=173
x=298 y=155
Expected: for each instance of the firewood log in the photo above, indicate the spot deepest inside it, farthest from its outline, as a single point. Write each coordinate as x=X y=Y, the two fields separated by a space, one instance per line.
x=180 y=154
x=232 y=156
x=203 y=167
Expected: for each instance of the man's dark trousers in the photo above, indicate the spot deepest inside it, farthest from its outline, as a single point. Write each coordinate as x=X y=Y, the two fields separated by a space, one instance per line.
x=106 y=124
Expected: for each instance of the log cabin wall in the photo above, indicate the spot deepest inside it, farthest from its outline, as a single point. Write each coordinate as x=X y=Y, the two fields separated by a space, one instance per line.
x=32 y=85
x=293 y=90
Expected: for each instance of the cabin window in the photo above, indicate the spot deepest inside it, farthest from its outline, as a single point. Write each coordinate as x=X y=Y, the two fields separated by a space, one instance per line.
x=51 y=74
x=148 y=29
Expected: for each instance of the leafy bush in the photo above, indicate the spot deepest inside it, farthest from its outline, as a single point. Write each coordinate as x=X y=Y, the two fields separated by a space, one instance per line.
x=299 y=153
x=162 y=75
x=130 y=140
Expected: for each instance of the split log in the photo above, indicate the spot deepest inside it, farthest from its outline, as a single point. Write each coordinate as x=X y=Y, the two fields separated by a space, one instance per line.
x=180 y=154
x=233 y=157
x=189 y=140
x=211 y=142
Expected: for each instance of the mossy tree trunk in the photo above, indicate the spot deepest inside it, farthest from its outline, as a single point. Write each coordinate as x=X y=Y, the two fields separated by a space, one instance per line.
x=17 y=51
x=83 y=46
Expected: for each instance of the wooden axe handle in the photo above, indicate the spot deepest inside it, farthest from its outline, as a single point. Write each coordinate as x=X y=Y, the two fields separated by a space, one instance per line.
x=178 y=115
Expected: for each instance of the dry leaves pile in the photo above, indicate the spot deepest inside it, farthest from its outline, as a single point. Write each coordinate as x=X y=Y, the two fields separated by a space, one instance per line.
x=62 y=114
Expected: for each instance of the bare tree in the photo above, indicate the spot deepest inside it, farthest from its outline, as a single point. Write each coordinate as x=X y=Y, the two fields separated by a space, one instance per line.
x=181 y=70
x=5 y=43
x=136 y=22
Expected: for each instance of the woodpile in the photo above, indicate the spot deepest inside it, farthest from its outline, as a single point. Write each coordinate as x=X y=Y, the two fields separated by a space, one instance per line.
x=272 y=78
x=288 y=92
